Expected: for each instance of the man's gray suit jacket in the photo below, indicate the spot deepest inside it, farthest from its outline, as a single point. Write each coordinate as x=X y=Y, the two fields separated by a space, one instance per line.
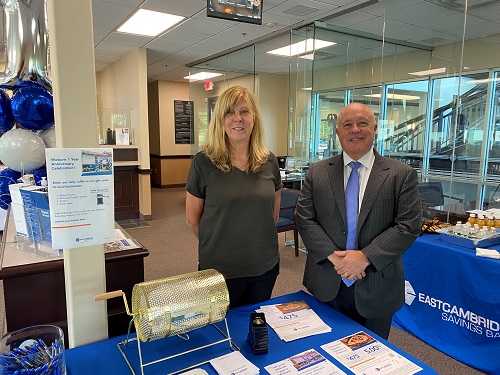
x=389 y=221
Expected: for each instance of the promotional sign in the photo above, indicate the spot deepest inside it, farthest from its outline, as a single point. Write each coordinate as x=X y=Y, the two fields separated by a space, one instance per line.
x=81 y=196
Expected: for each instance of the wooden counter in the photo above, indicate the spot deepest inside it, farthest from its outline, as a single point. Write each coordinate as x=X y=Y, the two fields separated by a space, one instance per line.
x=33 y=283
x=126 y=181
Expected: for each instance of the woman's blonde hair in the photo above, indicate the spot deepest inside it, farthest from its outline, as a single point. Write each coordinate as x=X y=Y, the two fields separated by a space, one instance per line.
x=216 y=147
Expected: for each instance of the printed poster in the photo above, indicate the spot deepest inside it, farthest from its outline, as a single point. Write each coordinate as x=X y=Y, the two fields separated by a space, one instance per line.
x=81 y=196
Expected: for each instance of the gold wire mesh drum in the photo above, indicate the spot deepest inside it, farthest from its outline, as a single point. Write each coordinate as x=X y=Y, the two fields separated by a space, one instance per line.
x=178 y=304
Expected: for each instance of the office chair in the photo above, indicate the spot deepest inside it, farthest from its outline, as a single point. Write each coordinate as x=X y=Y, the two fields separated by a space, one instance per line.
x=286 y=219
x=431 y=195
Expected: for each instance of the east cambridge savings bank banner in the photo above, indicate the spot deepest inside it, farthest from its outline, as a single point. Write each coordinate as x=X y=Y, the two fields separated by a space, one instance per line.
x=81 y=196
x=452 y=302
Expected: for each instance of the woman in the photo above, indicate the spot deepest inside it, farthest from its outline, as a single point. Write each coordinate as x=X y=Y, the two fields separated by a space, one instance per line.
x=233 y=198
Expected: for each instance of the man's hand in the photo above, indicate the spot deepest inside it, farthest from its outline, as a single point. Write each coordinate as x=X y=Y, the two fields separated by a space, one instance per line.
x=350 y=264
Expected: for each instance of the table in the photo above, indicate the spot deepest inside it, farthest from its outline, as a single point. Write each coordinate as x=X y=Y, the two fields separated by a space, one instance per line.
x=104 y=357
x=453 y=301
x=451 y=213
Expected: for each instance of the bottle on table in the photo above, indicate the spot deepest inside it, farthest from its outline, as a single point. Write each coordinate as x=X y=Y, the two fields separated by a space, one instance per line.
x=472 y=219
x=490 y=222
x=497 y=221
x=480 y=221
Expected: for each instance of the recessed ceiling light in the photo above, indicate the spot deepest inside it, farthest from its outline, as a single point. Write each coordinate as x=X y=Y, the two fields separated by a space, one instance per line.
x=202 y=76
x=476 y=81
x=395 y=96
x=149 y=23
x=429 y=72
x=302 y=47
x=309 y=56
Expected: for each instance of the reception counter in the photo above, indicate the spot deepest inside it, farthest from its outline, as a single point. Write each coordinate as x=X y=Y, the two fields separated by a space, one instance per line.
x=453 y=301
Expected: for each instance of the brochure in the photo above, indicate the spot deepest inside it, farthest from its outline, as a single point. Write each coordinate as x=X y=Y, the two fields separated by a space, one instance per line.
x=364 y=355
x=121 y=244
x=293 y=320
x=234 y=363
x=122 y=136
x=309 y=362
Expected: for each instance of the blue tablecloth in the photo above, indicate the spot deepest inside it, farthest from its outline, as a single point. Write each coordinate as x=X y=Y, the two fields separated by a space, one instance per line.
x=453 y=301
x=104 y=357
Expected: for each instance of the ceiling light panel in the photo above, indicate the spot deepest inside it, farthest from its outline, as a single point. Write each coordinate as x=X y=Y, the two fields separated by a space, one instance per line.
x=149 y=23
x=302 y=47
x=429 y=72
x=202 y=76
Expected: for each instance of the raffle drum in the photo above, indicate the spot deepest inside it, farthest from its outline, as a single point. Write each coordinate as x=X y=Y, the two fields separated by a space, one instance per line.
x=175 y=306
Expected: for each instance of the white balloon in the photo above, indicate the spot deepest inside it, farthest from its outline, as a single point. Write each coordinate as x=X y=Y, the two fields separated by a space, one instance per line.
x=22 y=150
x=49 y=137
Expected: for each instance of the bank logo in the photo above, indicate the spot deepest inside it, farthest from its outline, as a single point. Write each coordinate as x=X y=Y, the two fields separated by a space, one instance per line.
x=409 y=293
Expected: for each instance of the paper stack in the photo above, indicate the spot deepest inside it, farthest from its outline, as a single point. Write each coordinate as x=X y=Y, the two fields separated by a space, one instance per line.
x=234 y=363
x=487 y=253
x=293 y=320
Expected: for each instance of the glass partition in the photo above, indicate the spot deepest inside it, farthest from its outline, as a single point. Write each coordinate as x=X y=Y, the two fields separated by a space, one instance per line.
x=437 y=108
x=115 y=126
x=405 y=120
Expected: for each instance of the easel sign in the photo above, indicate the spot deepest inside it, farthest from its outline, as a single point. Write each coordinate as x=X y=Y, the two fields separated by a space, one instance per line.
x=81 y=196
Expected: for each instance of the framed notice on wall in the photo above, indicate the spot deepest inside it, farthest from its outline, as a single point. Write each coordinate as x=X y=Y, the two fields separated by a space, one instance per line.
x=184 y=121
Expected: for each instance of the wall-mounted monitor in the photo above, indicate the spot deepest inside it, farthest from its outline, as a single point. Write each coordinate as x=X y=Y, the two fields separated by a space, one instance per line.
x=249 y=11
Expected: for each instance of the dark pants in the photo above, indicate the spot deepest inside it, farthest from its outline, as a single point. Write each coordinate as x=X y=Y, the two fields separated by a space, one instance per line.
x=250 y=290
x=344 y=303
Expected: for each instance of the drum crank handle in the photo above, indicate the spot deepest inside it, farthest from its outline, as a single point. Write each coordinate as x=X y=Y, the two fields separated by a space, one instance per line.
x=109 y=295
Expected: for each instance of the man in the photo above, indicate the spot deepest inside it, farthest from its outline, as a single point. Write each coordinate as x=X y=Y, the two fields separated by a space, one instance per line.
x=388 y=222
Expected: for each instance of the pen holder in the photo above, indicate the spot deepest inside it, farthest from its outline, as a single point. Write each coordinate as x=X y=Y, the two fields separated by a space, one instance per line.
x=33 y=350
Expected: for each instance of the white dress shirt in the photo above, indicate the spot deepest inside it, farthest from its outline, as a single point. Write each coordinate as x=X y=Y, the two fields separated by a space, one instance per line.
x=364 y=171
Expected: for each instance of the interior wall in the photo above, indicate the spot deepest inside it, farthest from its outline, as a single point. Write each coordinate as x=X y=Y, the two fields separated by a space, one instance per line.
x=167 y=93
x=271 y=91
x=170 y=162
x=154 y=118
x=123 y=85
x=273 y=101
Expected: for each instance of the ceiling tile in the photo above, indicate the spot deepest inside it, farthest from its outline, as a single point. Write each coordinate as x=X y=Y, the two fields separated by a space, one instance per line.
x=133 y=40
x=199 y=36
x=102 y=23
x=111 y=11
x=179 y=8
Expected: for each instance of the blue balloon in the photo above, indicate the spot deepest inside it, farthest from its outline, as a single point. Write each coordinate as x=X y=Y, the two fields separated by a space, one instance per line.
x=5 y=201
x=38 y=174
x=7 y=177
x=6 y=117
x=28 y=83
x=33 y=108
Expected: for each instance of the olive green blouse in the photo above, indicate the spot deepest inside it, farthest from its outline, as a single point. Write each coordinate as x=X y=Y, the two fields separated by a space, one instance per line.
x=237 y=233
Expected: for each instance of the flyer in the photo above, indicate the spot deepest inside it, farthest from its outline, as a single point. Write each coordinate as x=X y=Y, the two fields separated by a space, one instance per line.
x=364 y=355
x=81 y=196
x=234 y=363
x=309 y=362
x=293 y=320
x=122 y=136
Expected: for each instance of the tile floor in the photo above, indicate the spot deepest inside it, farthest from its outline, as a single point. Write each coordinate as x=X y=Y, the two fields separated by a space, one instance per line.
x=132 y=223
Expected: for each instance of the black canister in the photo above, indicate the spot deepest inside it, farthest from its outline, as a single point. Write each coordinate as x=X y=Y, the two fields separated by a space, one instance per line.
x=110 y=137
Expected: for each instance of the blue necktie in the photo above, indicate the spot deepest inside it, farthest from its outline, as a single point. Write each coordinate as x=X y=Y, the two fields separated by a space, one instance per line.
x=351 y=209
